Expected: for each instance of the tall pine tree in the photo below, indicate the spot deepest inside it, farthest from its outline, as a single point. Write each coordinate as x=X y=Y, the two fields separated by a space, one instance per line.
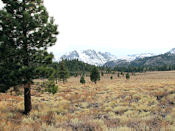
x=63 y=72
x=26 y=31
x=82 y=80
x=95 y=75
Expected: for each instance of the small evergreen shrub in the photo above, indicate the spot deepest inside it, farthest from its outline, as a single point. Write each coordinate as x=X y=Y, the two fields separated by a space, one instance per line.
x=118 y=75
x=51 y=87
x=95 y=75
x=102 y=73
x=82 y=80
x=127 y=76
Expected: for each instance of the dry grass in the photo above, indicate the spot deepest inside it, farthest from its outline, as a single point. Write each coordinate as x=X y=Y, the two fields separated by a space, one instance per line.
x=145 y=102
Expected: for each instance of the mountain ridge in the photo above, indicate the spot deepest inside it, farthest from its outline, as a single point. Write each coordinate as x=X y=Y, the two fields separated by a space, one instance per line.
x=167 y=58
x=89 y=56
x=99 y=58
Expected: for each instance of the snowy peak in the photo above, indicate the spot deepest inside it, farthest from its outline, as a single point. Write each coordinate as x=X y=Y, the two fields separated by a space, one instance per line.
x=91 y=53
x=101 y=58
x=137 y=56
x=108 y=56
x=90 y=56
x=172 y=51
x=71 y=55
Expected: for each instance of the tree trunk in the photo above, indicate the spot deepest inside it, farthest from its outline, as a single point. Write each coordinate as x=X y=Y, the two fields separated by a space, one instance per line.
x=27 y=99
x=56 y=80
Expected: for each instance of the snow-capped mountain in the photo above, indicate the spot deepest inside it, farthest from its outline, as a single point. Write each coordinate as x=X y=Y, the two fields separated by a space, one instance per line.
x=147 y=59
x=90 y=56
x=172 y=51
x=125 y=61
x=107 y=59
x=130 y=58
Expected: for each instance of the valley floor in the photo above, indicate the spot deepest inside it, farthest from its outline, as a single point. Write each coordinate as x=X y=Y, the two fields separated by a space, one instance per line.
x=143 y=103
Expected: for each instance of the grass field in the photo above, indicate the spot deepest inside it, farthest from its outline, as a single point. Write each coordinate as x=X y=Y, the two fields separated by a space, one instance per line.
x=144 y=102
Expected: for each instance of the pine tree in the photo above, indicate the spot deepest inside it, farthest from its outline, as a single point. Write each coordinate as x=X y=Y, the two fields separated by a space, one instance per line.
x=127 y=76
x=26 y=31
x=102 y=73
x=82 y=80
x=51 y=87
x=63 y=72
x=118 y=75
x=95 y=75
x=55 y=65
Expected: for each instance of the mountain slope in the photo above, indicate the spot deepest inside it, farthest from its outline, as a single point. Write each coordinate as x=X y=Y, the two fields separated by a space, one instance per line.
x=158 y=60
x=125 y=61
x=171 y=52
x=102 y=58
x=106 y=59
x=132 y=57
x=119 y=62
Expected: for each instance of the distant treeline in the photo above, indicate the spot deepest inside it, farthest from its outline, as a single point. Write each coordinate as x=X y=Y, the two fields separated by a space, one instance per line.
x=74 y=67
x=144 y=68
x=77 y=68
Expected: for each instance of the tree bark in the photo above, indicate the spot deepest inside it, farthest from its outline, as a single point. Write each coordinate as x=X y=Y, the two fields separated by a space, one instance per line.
x=27 y=99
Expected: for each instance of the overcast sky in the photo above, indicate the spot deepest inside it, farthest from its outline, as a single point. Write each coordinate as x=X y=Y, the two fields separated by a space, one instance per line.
x=117 y=26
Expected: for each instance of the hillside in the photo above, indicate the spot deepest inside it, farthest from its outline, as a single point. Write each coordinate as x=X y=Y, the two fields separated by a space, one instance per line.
x=160 y=60
x=154 y=61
